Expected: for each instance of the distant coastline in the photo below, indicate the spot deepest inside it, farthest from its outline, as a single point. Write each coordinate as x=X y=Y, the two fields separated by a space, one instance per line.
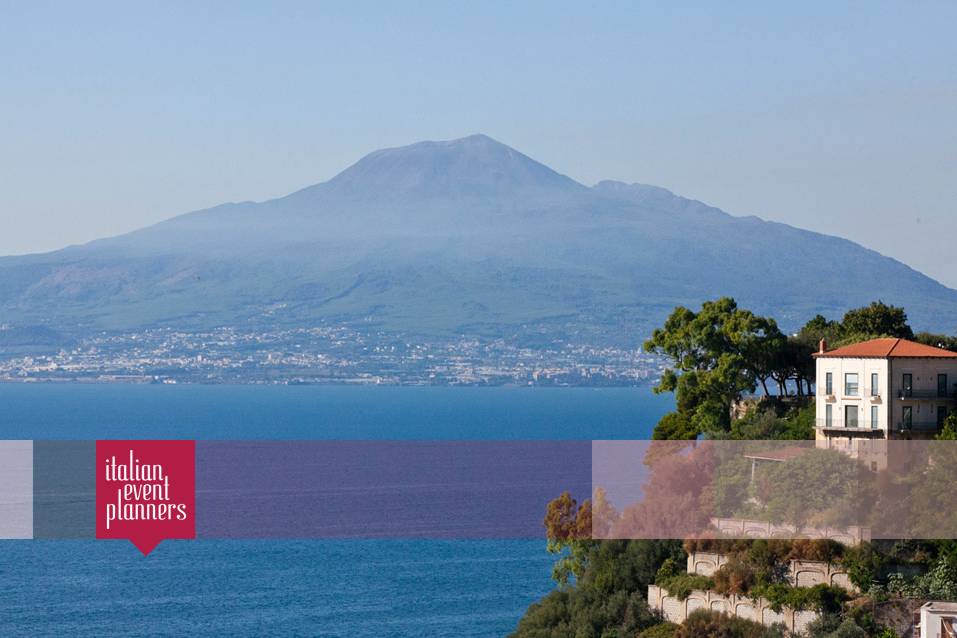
x=327 y=355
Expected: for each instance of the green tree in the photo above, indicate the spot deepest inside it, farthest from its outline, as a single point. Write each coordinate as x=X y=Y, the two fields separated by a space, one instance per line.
x=819 y=328
x=819 y=487
x=805 y=368
x=876 y=320
x=834 y=626
x=937 y=340
x=773 y=420
x=716 y=354
x=675 y=426
x=868 y=322
x=568 y=530
x=609 y=597
x=863 y=563
x=949 y=431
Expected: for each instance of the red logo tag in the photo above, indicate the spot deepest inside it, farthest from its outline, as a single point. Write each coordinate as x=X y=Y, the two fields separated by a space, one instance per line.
x=145 y=491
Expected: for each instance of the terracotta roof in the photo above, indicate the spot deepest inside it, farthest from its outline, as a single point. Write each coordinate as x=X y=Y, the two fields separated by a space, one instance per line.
x=889 y=348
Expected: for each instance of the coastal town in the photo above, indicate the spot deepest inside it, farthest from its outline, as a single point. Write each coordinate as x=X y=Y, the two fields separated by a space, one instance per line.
x=334 y=354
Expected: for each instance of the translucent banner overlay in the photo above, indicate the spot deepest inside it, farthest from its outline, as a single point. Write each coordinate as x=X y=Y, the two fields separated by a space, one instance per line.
x=845 y=490
x=313 y=489
x=16 y=489
x=384 y=489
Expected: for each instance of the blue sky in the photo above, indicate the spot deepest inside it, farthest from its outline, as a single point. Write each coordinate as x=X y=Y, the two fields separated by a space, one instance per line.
x=835 y=118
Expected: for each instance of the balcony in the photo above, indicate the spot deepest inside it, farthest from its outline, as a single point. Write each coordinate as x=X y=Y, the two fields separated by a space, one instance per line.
x=917 y=426
x=856 y=393
x=927 y=394
x=837 y=425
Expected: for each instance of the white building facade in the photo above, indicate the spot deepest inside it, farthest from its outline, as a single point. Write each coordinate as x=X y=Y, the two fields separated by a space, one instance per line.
x=883 y=389
x=937 y=620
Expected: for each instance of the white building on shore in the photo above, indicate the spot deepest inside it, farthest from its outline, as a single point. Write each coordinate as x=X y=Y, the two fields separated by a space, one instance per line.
x=937 y=620
x=888 y=388
x=882 y=389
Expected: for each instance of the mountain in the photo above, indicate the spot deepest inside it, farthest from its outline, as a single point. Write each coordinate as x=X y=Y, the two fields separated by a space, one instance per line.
x=466 y=236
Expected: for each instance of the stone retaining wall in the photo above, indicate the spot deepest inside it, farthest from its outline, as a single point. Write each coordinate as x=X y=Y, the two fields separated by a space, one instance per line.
x=808 y=573
x=758 y=610
x=742 y=528
x=705 y=563
x=802 y=573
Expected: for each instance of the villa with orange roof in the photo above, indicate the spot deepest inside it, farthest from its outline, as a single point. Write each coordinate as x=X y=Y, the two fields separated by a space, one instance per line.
x=883 y=389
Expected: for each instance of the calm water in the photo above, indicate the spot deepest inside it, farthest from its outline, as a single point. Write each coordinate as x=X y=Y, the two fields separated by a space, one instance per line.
x=288 y=588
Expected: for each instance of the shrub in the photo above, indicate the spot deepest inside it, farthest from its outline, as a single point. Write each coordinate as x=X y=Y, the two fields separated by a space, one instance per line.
x=668 y=569
x=708 y=623
x=862 y=564
x=734 y=577
x=833 y=626
x=664 y=630
x=609 y=598
x=682 y=585
x=764 y=423
x=823 y=598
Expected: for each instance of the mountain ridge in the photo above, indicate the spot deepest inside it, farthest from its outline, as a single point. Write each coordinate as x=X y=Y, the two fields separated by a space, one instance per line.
x=459 y=236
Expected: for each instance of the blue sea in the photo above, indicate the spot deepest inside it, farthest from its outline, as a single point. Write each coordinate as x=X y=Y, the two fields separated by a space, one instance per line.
x=344 y=588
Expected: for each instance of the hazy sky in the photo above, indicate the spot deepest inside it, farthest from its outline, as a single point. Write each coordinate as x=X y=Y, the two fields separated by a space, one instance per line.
x=837 y=119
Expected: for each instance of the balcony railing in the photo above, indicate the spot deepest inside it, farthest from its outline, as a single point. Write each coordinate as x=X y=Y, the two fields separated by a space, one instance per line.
x=918 y=426
x=867 y=426
x=857 y=426
x=866 y=393
x=927 y=394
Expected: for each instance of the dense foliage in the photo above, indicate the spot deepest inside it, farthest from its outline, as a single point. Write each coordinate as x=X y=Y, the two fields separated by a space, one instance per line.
x=949 y=431
x=847 y=626
x=708 y=623
x=722 y=352
x=608 y=599
x=820 y=487
x=773 y=420
x=568 y=528
x=664 y=630
x=759 y=569
x=877 y=319
x=718 y=355
x=681 y=585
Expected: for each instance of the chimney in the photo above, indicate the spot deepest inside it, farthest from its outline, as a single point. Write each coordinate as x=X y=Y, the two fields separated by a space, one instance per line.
x=822 y=346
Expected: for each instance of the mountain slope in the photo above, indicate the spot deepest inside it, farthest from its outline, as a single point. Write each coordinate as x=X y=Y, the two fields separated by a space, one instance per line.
x=466 y=236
